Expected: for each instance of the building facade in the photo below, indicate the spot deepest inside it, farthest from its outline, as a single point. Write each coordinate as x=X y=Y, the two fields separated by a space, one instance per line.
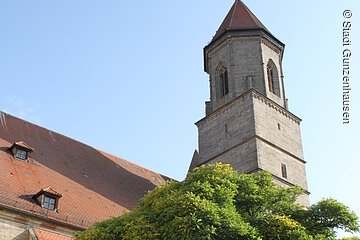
x=248 y=123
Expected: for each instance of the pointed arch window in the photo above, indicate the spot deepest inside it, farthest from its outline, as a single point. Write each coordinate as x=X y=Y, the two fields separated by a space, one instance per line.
x=270 y=74
x=222 y=81
x=273 y=78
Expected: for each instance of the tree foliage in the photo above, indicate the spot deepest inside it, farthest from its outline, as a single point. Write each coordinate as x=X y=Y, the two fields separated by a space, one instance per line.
x=215 y=202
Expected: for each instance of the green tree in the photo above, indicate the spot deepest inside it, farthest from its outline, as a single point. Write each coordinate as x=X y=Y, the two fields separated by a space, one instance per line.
x=215 y=202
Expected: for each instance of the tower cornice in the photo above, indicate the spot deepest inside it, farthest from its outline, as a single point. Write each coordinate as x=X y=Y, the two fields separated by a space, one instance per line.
x=241 y=34
x=256 y=95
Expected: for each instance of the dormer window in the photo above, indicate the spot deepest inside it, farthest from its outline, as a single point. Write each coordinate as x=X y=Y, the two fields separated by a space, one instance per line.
x=21 y=150
x=48 y=198
x=21 y=154
x=49 y=203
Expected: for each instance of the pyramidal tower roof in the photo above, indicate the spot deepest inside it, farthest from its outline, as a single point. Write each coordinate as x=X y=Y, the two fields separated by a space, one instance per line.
x=239 y=18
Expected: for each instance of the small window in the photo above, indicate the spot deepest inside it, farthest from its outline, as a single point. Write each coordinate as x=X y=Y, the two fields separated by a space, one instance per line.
x=226 y=128
x=49 y=203
x=279 y=126
x=249 y=81
x=21 y=150
x=21 y=154
x=47 y=198
x=283 y=170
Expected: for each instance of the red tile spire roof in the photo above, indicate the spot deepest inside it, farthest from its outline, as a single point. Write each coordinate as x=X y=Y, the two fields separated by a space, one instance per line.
x=239 y=18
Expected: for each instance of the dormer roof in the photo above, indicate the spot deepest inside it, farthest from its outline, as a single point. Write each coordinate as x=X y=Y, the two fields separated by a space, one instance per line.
x=46 y=191
x=43 y=234
x=22 y=145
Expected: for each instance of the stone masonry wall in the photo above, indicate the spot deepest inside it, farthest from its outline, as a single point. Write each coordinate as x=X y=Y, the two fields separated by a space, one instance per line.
x=270 y=159
x=243 y=158
x=243 y=58
x=11 y=230
x=226 y=128
x=15 y=225
x=253 y=132
x=269 y=118
x=247 y=62
x=279 y=141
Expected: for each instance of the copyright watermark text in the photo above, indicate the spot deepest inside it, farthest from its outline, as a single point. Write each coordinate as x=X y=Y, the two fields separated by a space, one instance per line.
x=346 y=60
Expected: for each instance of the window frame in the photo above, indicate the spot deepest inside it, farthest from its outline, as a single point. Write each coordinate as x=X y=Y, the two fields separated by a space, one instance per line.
x=48 y=204
x=270 y=74
x=284 y=172
x=273 y=78
x=21 y=154
x=222 y=81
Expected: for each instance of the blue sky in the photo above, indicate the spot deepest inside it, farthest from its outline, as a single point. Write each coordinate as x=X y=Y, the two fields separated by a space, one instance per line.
x=127 y=77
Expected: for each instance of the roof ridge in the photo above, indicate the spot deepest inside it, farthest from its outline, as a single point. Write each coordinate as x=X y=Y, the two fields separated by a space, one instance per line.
x=254 y=18
x=233 y=13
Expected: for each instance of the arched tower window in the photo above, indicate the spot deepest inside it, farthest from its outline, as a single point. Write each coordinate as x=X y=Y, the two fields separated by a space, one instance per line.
x=222 y=81
x=273 y=78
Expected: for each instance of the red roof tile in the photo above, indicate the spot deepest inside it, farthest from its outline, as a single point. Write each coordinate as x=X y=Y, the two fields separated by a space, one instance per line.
x=239 y=18
x=94 y=185
x=42 y=234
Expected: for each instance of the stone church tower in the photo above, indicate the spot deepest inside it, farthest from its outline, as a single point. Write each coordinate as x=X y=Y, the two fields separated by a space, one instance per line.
x=247 y=122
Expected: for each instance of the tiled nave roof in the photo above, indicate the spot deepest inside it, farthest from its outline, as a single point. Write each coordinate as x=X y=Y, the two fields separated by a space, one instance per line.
x=94 y=185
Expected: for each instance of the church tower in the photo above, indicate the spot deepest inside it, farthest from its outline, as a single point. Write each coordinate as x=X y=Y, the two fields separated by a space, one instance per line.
x=247 y=122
